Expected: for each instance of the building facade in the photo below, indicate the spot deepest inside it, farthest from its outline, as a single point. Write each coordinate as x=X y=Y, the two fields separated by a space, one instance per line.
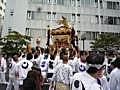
x=89 y=18
x=2 y=14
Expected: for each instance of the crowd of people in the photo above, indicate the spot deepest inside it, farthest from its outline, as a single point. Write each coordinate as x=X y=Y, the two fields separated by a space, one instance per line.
x=62 y=69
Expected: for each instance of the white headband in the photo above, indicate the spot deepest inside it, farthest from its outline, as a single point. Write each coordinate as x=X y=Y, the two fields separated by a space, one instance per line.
x=98 y=66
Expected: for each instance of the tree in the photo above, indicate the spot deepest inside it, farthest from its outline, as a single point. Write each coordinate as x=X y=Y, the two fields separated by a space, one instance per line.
x=106 y=41
x=14 y=42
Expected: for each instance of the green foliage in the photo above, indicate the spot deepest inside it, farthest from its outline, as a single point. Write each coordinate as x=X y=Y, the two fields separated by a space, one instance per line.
x=14 y=42
x=105 y=41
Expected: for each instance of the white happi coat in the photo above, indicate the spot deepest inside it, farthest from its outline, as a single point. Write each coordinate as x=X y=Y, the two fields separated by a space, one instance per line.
x=63 y=74
x=114 y=81
x=22 y=69
x=83 y=81
x=44 y=65
x=3 y=65
x=12 y=67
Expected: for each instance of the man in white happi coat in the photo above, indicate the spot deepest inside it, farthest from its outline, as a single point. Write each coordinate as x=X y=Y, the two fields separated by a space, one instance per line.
x=80 y=62
x=114 y=81
x=62 y=75
x=44 y=65
x=3 y=68
x=89 y=80
x=22 y=69
x=13 y=76
x=51 y=67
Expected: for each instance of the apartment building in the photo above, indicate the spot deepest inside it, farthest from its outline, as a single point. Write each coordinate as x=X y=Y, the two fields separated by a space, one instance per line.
x=2 y=14
x=89 y=18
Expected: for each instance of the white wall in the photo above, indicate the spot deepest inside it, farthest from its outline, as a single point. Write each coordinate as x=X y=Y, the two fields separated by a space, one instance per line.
x=17 y=21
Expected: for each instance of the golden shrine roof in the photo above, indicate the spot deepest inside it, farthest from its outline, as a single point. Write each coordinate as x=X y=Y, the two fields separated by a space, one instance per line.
x=63 y=30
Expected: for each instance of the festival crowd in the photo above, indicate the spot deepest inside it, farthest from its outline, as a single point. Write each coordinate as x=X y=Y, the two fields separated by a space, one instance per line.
x=61 y=69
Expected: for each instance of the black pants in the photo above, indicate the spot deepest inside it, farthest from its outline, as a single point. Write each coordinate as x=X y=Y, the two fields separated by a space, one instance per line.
x=21 y=87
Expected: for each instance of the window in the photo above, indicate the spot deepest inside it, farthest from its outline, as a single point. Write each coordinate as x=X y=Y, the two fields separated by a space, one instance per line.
x=101 y=4
x=118 y=20
x=90 y=35
x=117 y=5
x=9 y=29
x=73 y=3
x=49 y=1
x=60 y=2
x=12 y=12
x=115 y=21
x=110 y=20
x=96 y=3
x=105 y=19
x=54 y=15
x=109 y=5
x=101 y=17
x=92 y=19
x=73 y=17
x=113 y=5
x=78 y=3
x=95 y=19
x=30 y=15
x=78 y=17
x=94 y=35
x=49 y=16
x=27 y=32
